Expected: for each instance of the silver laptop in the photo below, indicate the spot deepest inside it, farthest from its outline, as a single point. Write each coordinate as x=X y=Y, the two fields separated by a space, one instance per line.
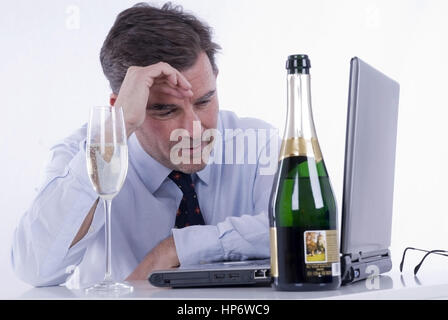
x=369 y=172
x=367 y=195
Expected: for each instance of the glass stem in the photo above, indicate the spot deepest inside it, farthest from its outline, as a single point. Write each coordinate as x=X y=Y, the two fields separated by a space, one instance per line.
x=107 y=229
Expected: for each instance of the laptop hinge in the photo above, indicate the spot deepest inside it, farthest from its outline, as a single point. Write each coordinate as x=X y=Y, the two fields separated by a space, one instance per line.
x=359 y=266
x=367 y=256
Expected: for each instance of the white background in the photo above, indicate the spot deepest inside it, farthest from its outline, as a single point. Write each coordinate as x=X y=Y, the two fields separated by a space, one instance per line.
x=51 y=75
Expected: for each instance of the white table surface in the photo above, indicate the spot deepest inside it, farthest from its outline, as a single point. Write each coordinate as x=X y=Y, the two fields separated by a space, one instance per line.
x=429 y=284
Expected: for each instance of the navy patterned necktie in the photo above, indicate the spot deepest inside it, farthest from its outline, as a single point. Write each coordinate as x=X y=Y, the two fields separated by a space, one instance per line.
x=189 y=213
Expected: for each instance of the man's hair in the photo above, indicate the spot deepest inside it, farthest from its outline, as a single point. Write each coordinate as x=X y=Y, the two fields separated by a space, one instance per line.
x=144 y=35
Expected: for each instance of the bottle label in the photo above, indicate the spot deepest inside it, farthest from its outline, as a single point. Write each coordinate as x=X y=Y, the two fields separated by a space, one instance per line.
x=293 y=147
x=299 y=146
x=321 y=252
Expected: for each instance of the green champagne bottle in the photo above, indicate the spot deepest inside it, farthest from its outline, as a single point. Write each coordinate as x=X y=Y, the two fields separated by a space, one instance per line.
x=302 y=211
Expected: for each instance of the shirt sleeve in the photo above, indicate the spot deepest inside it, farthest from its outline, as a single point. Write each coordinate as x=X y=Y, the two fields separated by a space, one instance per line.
x=41 y=253
x=236 y=238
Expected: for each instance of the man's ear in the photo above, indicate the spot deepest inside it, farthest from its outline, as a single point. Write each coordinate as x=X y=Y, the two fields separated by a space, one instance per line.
x=113 y=98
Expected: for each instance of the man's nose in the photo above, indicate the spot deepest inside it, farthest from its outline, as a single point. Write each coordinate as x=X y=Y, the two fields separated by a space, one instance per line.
x=192 y=124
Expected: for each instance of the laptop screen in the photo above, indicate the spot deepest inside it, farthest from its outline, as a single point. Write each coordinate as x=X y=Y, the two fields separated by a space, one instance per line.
x=369 y=160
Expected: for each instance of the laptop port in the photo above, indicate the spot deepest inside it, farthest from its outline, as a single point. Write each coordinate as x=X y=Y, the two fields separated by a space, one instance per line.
x=220 y=276
x=261 y=274
x=234 y=275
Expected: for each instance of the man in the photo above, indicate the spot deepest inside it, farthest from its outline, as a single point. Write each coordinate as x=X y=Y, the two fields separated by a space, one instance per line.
x=161 y=67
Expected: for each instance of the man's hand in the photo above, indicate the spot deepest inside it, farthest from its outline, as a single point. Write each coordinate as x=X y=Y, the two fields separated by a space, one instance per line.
x=135 y=90
x=163 y=256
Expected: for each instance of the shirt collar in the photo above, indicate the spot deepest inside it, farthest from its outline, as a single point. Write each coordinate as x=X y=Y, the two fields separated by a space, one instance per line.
x=204 y=174
x=150 y=170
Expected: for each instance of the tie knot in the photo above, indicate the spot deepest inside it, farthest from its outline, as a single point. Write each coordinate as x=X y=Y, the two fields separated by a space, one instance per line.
x=182 y=180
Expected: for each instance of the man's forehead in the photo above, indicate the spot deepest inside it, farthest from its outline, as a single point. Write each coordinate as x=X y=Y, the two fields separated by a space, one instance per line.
x=201 y=70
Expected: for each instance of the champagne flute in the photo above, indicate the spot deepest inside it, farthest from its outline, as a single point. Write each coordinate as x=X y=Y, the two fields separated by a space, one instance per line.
x=107 y=166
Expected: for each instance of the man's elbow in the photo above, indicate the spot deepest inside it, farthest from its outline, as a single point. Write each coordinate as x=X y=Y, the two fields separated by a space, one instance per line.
x=31 y=273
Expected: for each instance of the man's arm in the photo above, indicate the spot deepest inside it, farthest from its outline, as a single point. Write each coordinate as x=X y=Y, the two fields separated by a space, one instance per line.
x=54 y=233
x=85 y=225
x=43 y=243
x=163 y=256
x=237 y=238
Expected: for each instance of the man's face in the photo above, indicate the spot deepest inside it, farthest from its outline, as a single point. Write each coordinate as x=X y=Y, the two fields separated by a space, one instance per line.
x=166 y=113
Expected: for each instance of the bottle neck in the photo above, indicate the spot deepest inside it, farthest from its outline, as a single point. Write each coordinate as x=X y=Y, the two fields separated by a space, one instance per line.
x=299 y=119
x=300 y=135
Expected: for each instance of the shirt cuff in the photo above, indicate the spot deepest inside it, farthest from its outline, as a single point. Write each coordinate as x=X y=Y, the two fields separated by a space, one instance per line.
x=198 y=244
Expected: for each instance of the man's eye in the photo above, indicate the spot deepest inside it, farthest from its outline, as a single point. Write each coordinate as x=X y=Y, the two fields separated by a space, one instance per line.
x=163 y=114
x=203 y=103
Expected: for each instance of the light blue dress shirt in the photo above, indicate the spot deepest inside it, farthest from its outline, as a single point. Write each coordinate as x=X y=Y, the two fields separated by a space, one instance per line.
x=233 y=199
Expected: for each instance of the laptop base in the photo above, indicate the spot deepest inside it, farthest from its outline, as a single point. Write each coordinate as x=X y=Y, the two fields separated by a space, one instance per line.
x=356 y=267
x=230 y=273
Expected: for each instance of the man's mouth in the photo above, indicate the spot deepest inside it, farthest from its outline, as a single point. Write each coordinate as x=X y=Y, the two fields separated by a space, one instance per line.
x=197 y=148
x=197 y=151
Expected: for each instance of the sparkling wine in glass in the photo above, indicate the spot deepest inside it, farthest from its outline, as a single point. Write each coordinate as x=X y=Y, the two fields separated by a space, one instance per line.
x=107 y=166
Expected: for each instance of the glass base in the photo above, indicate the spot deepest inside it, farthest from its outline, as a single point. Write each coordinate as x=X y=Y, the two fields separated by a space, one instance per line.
x=109 y=288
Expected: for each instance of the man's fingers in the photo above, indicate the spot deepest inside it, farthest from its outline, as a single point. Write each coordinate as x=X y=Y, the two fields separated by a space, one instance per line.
x=162 y=70
x=171 y=92
x=172 y=78
x=164 y=82
x=188 y=93
x=177 y=79
x=161 y=82
x=178 y=93
x=180 y=80
x=183 y=82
